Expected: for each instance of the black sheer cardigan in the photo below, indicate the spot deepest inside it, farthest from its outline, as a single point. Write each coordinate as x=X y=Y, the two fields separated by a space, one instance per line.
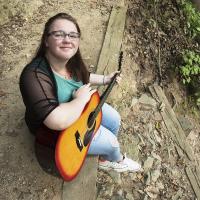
x=39 y=92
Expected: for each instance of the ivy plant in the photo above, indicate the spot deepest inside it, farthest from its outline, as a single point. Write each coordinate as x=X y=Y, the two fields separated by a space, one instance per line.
x=193 y=18
x=190 y=72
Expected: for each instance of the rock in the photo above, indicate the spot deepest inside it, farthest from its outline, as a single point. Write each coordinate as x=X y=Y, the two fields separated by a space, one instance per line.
x=193 y=138
x=157 y=116
x=133 y=176
x=109 y=190
x=156 y=156
x=146 y=197
x=116 y=177
x=134 y=101
x=178 y=195
x=129 y=196
x=143 y=119
x=56 y=197
x=160 y=185
x=141 y=191
x=149 y=128
x=45 y=190
x=120 y=192
x=186 y=124
x=117 y=197
x=158 y=139
x=148 y=164
x=155 y=175
x=148 y=180
x=147 y=101
x=176 y=173
x=12 y=133
x=152 y=191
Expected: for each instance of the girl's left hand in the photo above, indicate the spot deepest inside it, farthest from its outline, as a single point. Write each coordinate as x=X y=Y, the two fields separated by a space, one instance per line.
x=110 y=76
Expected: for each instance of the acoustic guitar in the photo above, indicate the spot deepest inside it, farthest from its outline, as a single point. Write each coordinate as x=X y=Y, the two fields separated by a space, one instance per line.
x=73 y=143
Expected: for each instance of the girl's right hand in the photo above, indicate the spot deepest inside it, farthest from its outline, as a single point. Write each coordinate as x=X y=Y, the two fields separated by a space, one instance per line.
x=84 y=93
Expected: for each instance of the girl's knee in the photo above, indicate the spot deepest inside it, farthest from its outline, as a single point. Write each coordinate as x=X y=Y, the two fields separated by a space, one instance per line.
x=111 y=119
x=112 y=145
x=113 y=151
x=113 y=142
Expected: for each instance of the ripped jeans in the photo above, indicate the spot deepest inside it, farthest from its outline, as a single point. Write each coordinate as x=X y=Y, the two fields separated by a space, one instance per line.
x=105 y=141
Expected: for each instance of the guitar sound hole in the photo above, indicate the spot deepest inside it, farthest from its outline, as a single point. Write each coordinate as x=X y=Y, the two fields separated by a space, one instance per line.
x=90 y=120
x=88 y=135
x=78 y=141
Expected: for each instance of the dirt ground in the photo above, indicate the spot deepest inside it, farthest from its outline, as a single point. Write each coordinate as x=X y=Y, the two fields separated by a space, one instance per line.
x=153 y=40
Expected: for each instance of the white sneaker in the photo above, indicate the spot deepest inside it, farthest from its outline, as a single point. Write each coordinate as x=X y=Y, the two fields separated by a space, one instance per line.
x=125 y=165
x=108 y=165
x=132 y=165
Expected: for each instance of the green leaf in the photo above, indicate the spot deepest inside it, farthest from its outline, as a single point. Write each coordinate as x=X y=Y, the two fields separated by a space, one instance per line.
x=188 y=80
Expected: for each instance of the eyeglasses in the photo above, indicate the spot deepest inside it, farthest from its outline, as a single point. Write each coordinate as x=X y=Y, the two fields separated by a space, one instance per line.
x=61 y=35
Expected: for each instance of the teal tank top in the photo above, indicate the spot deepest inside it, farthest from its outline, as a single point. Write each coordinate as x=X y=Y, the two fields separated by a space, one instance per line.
x=66 y=87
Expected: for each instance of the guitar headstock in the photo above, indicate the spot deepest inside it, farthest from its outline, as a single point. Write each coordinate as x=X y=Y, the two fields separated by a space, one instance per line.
x=120 y=60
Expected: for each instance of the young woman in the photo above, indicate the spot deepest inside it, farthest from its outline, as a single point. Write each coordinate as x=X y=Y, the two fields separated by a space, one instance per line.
x=56 y=86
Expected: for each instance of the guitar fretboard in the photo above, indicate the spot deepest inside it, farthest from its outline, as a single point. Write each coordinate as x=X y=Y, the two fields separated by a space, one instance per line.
x=106 y=92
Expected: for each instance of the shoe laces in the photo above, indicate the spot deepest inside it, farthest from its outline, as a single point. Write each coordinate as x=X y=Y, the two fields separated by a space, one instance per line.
x=124 y=156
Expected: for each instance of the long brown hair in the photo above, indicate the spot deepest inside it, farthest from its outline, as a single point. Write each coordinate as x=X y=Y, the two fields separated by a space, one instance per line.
x=75 y=65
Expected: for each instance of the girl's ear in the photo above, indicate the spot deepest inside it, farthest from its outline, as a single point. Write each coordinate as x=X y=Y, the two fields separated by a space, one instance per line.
x=46 y=43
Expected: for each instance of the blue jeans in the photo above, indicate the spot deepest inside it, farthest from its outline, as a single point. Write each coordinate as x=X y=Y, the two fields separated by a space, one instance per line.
x=105 y=141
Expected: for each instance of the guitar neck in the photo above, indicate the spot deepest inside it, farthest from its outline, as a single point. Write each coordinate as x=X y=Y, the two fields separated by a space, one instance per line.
x=104 y=97
x=107 y=91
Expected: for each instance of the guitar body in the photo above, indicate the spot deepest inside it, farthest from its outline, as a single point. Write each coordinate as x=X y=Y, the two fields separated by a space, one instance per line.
x=73 y=143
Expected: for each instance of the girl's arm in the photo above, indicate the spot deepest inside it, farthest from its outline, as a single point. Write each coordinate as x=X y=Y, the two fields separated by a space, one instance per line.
x=67 y=113
x=97 y=79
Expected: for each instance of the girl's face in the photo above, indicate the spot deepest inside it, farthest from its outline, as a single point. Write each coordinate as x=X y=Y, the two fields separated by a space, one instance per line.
x=63 y=40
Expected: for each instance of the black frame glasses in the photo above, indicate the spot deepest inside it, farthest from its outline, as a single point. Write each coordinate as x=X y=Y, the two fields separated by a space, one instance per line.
x=61 y=35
